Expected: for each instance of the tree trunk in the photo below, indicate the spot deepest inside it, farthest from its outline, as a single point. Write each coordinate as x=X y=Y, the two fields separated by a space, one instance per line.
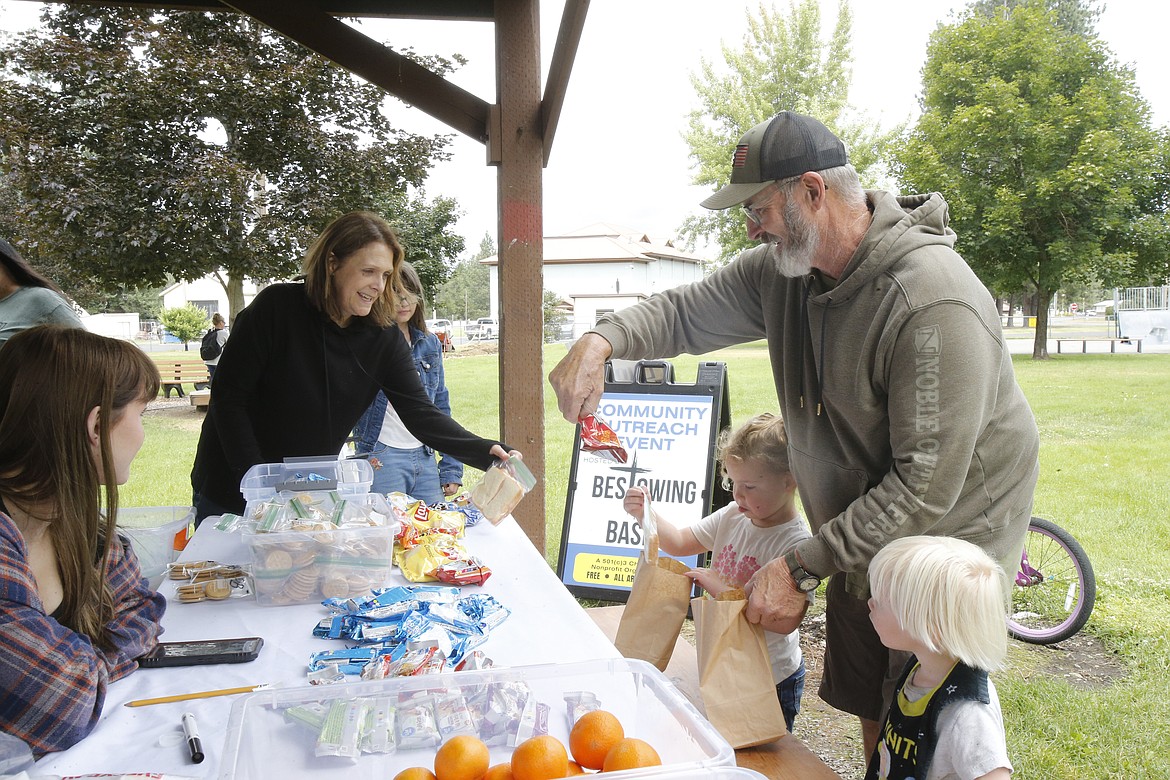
x=1042 y=300
x=235 y=295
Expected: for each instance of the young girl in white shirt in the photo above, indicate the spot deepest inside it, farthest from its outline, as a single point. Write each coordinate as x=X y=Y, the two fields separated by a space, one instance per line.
x=760 y=524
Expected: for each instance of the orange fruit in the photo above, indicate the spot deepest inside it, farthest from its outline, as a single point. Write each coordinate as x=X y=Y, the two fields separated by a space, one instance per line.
x=592 y=736
x=462 y=757
x=540 y=758
x=630 y=753
x=499 y=772
x=415 y=773
x=575 y=769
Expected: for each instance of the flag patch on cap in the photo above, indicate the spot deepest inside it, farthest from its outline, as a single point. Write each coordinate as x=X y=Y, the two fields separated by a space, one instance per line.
x=740 y=158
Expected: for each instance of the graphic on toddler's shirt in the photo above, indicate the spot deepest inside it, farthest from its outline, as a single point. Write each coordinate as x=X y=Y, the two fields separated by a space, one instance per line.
x=732 y=568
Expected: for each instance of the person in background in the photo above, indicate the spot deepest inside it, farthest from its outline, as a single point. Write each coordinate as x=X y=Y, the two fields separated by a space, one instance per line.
x=75 y=611
x=306 y=361
x=401 y=462
x=943 y=600
x=27 y=298
x=895 y=383
x=221 y=336
x=759 y=525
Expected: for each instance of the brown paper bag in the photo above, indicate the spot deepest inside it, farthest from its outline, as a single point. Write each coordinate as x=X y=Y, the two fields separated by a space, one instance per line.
x=735 y=672
x=655 y=611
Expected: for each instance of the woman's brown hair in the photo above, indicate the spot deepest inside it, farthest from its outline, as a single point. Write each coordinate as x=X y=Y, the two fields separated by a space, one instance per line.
x=344 y=236
x=51 y=378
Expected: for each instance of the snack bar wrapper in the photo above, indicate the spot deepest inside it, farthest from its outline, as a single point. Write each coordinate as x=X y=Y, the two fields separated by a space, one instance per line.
x=503 y=485
x=597 y=437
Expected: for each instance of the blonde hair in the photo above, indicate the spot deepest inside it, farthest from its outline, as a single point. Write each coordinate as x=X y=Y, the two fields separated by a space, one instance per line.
x=344 y=236
x=761 y=438
x=947 y=594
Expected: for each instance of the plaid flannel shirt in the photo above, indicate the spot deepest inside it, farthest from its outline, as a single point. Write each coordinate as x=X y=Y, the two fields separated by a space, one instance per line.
x=54 y=679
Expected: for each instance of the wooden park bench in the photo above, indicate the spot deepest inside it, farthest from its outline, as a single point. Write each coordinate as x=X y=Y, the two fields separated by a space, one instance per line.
x=1112 y=343
x=176 y=372
x=200 y=398
x=785 y=759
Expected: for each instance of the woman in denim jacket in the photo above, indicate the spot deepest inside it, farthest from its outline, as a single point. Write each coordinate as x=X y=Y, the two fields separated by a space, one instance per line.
x=401 y=462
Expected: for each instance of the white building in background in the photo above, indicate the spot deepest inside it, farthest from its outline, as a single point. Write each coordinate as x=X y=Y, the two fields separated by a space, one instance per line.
x=116 y=325
x=207 y=294
x=604 y=268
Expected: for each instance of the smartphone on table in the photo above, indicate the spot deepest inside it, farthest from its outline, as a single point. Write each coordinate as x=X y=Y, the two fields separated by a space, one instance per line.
x=203 y=651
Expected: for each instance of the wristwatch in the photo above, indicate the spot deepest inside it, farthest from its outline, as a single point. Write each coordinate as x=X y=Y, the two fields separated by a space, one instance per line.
x=806 y=581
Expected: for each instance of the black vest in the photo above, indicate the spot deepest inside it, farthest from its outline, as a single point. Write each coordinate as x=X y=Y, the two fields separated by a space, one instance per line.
x=906 y=742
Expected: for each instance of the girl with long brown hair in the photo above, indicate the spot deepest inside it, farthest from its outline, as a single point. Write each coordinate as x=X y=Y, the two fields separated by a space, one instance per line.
x=75 y=611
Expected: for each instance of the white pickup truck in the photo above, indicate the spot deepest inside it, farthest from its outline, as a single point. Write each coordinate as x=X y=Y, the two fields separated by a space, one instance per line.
x=484 y=328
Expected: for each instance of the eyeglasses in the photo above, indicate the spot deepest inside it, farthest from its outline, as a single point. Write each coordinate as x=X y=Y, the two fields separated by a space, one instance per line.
x=753 y=212
x=405 y=298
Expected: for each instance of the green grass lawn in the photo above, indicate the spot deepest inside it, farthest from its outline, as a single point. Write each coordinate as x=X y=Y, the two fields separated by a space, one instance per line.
x=1104 y=423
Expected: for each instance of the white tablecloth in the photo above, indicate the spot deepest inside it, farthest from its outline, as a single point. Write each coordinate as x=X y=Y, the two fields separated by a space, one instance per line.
x=546 y=626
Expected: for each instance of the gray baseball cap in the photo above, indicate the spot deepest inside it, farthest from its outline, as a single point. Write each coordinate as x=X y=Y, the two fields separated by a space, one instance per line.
x=786 y=145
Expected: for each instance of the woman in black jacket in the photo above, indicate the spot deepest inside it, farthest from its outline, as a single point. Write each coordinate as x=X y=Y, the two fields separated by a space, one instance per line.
x=307 y=358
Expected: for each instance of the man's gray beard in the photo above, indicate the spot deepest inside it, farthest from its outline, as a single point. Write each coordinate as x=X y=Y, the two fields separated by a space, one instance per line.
x=796 y=256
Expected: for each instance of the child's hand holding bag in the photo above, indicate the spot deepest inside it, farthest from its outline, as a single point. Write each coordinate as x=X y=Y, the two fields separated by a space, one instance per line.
x=657 y=604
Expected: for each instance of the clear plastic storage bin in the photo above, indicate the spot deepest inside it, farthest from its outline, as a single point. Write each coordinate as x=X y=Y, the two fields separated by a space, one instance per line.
x=301 y=567
x=350 y=477
x=263 y=742
x=157 y=534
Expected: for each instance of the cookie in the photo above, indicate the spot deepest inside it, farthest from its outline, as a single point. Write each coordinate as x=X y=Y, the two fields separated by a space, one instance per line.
x=278 y=559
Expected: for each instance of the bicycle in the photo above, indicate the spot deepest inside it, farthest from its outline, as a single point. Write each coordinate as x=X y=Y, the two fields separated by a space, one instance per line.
x=1055 y=588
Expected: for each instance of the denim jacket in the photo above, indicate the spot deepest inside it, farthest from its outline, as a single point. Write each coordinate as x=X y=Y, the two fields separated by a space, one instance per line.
x=428 y=359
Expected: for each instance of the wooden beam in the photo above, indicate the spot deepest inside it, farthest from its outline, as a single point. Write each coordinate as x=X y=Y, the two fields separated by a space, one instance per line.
x=306 y=22
x=451 y=10
x=521 y=244
x=559 y=70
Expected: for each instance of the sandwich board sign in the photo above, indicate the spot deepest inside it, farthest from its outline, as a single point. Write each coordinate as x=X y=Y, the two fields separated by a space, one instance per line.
x=670 y=432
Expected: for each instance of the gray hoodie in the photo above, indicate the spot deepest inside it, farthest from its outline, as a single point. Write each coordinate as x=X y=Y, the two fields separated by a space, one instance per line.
x=897 y=390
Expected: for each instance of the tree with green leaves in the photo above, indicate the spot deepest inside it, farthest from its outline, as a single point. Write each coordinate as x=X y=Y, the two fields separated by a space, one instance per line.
x=1078 y=17
x=186 y=323
x=1046 y=154
x=465 y=296
x=149 y=145
x=782 y=65
x=555 y=316
x=424 y=229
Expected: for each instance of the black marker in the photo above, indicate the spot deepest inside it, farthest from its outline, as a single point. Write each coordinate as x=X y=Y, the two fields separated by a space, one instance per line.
x=192 y=735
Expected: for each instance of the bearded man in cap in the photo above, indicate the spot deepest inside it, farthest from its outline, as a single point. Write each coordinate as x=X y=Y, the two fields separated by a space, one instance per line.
x=902 y=410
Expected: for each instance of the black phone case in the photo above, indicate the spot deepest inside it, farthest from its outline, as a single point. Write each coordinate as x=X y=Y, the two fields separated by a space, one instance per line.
x=201 y=652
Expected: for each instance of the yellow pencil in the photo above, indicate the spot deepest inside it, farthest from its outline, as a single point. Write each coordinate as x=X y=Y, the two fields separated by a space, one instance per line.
x=196 y=695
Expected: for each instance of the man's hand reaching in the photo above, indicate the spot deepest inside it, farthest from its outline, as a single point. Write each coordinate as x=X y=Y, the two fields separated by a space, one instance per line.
x=579 y=379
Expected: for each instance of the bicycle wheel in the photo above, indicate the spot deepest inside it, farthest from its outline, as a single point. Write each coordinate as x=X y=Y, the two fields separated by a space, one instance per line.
x=1055 y=589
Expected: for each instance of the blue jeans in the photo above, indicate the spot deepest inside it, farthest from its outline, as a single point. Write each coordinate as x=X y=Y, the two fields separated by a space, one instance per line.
x=413 y=472
x=789 y=693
